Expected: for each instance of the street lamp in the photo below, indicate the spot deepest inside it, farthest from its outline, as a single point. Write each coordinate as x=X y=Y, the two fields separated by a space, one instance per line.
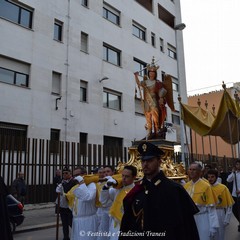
x=180 y=27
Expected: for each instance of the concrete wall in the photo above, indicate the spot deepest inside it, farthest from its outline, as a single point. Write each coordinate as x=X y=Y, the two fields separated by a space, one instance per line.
x=35 y=106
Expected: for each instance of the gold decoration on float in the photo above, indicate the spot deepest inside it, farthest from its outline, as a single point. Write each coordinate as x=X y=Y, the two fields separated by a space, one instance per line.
x=172 y=170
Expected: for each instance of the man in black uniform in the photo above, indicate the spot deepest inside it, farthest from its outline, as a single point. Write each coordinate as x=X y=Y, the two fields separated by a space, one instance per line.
x=157 y=207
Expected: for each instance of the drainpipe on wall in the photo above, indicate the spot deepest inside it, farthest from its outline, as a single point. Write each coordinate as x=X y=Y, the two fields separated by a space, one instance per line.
x=67 y=71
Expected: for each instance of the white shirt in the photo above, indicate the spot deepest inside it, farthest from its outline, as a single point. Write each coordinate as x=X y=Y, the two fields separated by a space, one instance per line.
x=231 y=178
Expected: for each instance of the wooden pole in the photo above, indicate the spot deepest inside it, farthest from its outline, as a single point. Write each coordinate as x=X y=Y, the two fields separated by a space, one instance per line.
x=216 y=146
x=196 y=150
x=58 y=208
x=191 y=145
x=203 y=149
x=210 y=145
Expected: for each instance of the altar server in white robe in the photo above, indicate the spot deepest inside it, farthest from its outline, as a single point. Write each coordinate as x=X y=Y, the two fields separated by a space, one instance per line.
x=224 y=203
x=116 y=195
x=203 y=196
x=85 y=221
x=103 y=210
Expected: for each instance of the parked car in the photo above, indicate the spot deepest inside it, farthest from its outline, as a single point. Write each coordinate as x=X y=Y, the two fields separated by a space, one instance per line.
x=15 y=211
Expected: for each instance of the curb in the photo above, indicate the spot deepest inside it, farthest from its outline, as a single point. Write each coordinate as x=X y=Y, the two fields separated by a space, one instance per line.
x=28 y=207
x=37 y=227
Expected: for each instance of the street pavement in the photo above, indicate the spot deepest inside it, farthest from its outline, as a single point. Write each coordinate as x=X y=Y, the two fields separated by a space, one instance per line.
x=38 y=216
x=40 y=223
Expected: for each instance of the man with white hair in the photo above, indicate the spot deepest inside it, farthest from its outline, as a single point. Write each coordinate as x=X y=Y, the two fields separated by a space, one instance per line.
x=201 y=193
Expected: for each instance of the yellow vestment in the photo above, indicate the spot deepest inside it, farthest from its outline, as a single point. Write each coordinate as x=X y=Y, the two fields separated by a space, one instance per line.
x=201 y=193
x=224 y=198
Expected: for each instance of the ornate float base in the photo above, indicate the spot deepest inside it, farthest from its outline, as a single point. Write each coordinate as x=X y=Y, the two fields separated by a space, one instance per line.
x=168 y=166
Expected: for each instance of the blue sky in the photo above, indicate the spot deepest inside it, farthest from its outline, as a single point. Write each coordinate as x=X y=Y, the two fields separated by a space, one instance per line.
x=211 y=43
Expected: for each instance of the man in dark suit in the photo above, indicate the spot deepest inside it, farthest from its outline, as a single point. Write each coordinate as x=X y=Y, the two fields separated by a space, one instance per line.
x=157 y=207
x=65 y=213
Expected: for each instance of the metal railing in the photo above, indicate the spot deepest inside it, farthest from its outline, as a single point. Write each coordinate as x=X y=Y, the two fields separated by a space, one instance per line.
x=38 y=159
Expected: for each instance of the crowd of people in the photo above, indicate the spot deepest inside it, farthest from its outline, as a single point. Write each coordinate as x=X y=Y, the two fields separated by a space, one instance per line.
x=106 y=205
x=109 y=205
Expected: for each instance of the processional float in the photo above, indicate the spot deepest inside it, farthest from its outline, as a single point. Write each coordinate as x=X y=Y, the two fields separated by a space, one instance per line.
x=170 y=168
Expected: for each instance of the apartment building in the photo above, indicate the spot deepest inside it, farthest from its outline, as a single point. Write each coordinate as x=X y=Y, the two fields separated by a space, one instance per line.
x=66 y=67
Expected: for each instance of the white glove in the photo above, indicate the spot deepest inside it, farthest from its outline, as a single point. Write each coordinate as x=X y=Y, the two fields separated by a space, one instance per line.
x=108 y=177
x=225 y=223
x=212 y=232
x=59 y=188
x=111 y=182
x=79 y=178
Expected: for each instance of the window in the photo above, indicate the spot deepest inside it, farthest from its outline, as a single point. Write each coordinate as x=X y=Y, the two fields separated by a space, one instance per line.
x=111 y=54
x=58 y=27
x=83 y=143
x=111 y=14
x=175 y=119
x=111 y=99
x=83 y=91
x=153 y=39
x=139 y=31
x=163 y=75
x=112 y=141
x=174 y=86
x=166 y=16
x=140 y=66
x=139 y=107
x=161 y=45
x=12 y=77
x=56 y=83
x=54 y=140
x=85 y=3
x=84 y=42
x=13 y=136
x=16 y=13
x=14 y=72
x=172 y=51
x=146 y=3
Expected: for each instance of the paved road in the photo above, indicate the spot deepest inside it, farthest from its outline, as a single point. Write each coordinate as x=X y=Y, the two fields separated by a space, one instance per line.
x=38 y=216
x=231 y=231
x=43 y=217
x=45 y=234
x=50 y=233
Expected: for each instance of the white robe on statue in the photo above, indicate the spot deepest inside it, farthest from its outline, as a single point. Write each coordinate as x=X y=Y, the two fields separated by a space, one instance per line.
x=85 y=222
